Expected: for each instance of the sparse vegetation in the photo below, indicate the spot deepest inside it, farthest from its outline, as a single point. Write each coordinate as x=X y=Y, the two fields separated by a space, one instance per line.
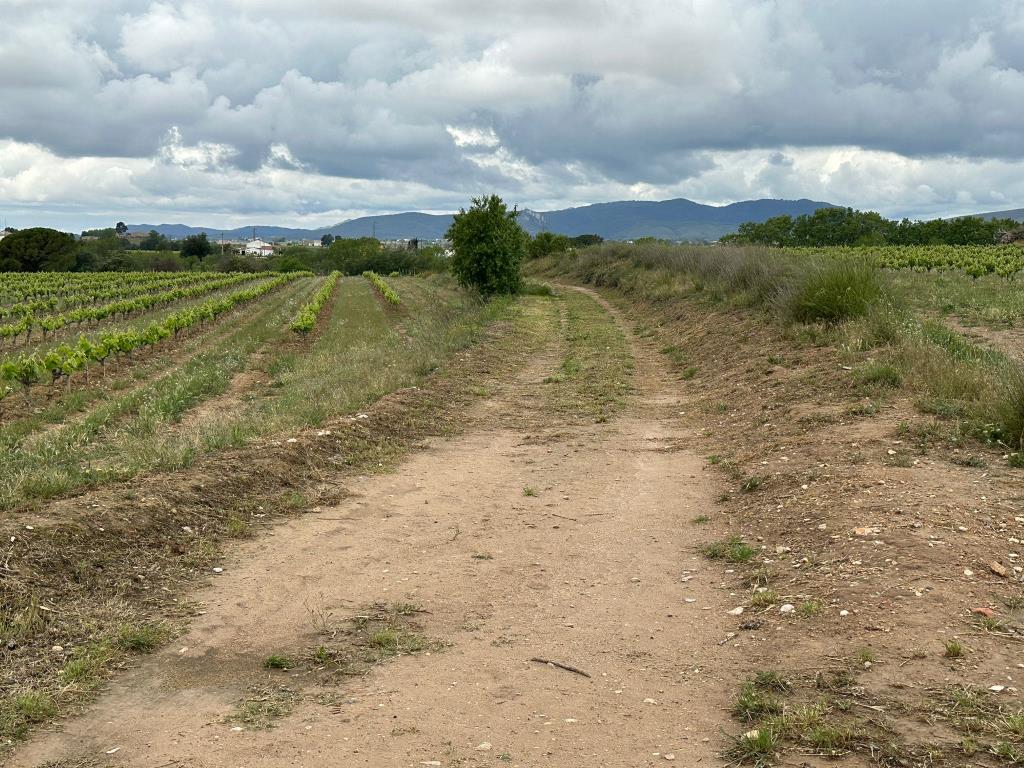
x=733 y=550
x=263 y=707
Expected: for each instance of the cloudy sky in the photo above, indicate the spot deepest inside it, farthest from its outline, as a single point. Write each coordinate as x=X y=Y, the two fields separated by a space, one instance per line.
x=313 y=111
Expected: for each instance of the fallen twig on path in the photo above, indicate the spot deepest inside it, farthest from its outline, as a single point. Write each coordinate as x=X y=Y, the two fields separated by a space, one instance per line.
x=558 y=664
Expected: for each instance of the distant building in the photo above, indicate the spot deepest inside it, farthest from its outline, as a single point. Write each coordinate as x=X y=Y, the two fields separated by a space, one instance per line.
x=258 y=247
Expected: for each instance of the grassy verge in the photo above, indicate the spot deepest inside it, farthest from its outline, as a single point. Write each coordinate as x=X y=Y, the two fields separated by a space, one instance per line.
x=828 y=301
x=594 y=377
x=990 y=300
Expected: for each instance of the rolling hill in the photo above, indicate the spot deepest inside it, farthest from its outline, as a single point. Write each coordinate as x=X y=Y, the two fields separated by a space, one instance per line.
x=677 y=219
x=1017 y=214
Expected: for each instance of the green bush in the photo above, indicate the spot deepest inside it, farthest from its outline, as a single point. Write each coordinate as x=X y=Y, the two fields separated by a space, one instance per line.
x=489 y=246
x=546 y=243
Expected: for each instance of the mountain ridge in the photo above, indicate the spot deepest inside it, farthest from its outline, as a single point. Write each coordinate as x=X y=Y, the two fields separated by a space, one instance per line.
x=1017 y=214
x=675 y=219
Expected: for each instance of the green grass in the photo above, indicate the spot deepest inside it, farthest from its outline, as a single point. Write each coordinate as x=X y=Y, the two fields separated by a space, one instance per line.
x=754 y=703
x=953 y=649
x=809 y=608
x=263 y=707
x=755 y=747
x=732 y=550
x=20 y=710
x=765 y=599
x=1012 y=725
x=751 y=484
x=1009 y=410
x=865 y=656
x=829 y=740
x=769 y=680
x=833 y=292
x=991 y=623
x=141 y=638
x=880 y=374
x=236 y=527
x=87 y=666
x=675 y=354
x=392 y=641
x=596 y=374
x=982 y=301
x=277 y=661
x=1011 y=753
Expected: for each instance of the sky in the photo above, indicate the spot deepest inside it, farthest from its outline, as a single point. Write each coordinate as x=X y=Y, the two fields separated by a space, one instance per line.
x=311 y=112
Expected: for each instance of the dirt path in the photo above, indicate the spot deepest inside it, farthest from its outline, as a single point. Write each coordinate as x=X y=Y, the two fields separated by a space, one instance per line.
x=598 y=570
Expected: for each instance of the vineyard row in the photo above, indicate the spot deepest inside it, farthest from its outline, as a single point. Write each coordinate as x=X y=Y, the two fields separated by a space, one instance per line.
x=66 y=360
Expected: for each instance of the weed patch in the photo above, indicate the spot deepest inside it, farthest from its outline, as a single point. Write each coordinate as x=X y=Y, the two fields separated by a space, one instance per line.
x=733 y=550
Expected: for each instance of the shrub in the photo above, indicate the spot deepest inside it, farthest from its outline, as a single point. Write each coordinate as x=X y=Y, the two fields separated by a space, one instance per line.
x=489 y=246
x=546 y=243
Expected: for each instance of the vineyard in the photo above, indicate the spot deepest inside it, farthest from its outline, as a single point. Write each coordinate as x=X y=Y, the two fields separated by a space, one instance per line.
x=103 y=376
x=69 y=358
x=973 y=260
x=305 y=321
x=386 y=291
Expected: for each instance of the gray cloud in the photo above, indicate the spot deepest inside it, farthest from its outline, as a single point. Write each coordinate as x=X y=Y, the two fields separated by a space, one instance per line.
x=583 y=100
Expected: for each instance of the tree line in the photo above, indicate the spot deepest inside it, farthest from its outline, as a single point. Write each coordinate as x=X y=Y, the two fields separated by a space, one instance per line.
x=846 y=226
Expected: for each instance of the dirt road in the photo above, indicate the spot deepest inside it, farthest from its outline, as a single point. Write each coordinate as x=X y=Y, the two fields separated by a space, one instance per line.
x=533 y=537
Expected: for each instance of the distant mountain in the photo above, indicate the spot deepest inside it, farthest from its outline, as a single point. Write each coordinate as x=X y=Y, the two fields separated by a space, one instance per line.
x=1017 y=214
x=624 y=220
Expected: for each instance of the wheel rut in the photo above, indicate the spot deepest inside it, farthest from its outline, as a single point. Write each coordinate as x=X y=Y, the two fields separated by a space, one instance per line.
x=594 y=567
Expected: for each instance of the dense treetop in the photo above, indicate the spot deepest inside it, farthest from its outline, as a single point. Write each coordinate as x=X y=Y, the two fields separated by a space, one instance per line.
x=845 y=226
x=38 y=249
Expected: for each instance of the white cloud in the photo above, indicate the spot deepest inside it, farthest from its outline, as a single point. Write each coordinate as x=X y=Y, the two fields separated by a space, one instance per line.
x=906 y=107
x=473 y=137
x=168 y=37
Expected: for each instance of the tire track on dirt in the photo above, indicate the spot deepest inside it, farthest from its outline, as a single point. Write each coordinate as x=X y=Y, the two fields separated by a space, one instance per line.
x=596 y=569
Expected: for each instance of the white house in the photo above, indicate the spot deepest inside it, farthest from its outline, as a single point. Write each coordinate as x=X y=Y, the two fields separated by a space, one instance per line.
x=258 y=248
